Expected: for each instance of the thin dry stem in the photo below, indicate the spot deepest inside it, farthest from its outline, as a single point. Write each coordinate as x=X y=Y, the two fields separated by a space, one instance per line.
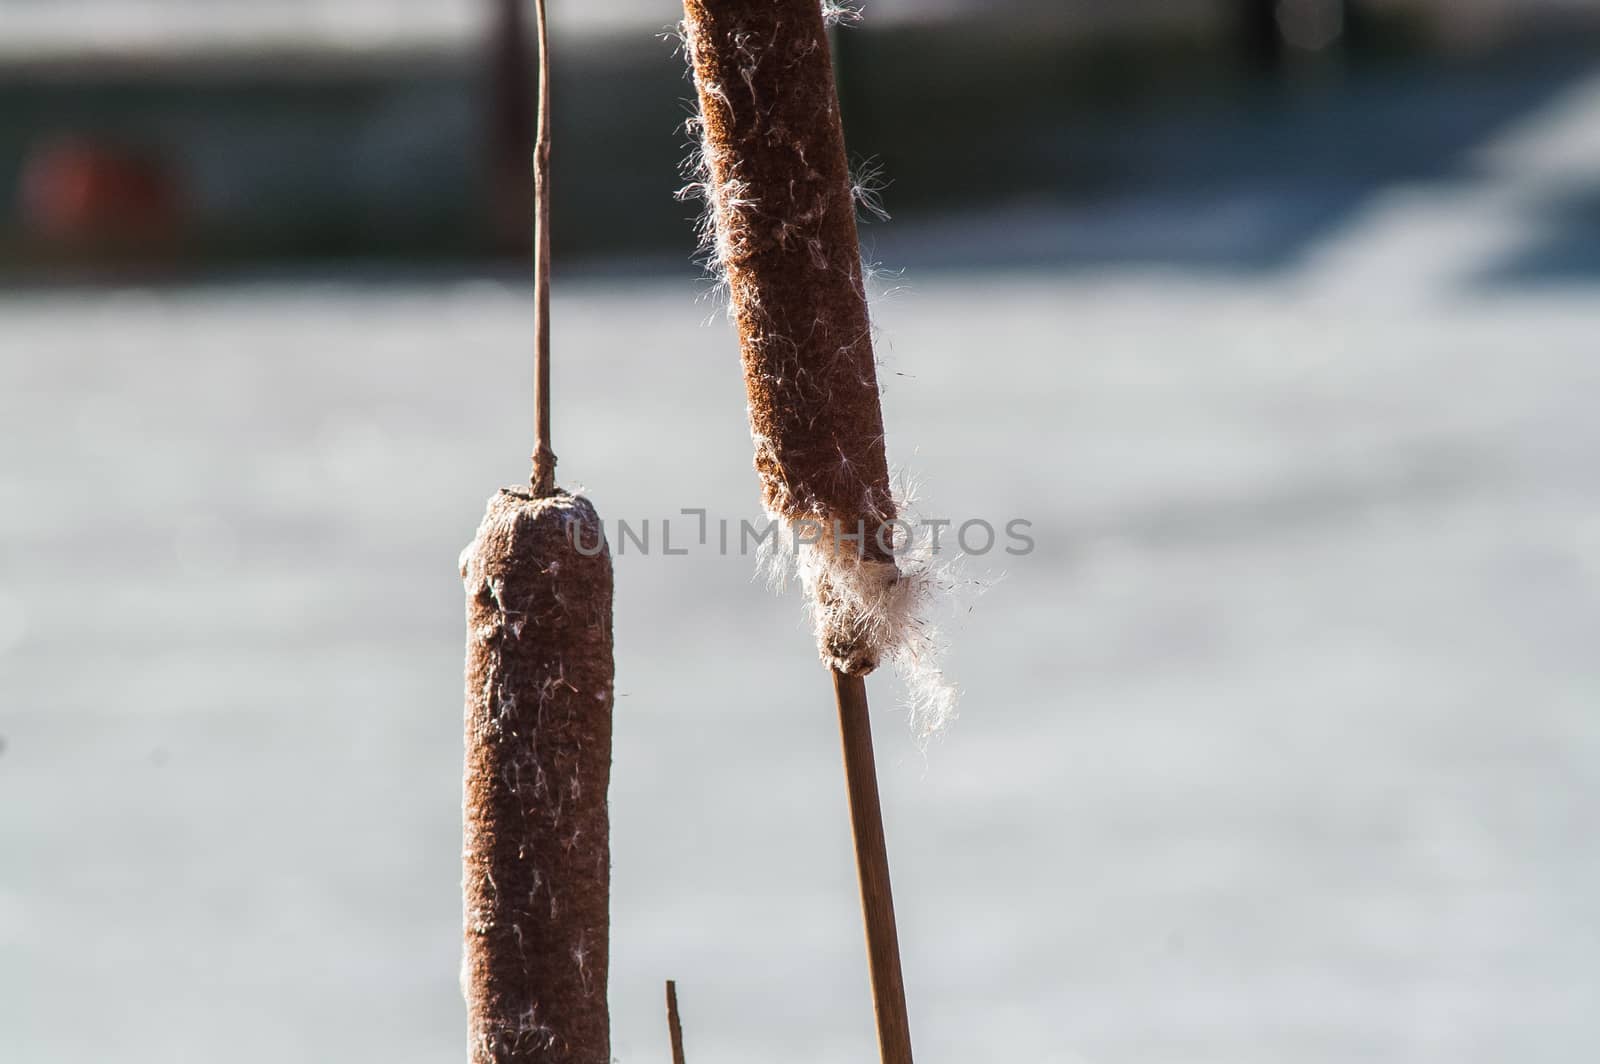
x=543 y=480
x=674 y=1024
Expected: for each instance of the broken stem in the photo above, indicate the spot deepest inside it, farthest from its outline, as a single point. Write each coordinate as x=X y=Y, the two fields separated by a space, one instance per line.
x=674 y=1025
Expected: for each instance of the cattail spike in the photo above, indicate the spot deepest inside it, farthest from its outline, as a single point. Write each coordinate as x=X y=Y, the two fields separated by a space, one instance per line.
x=783 y=214
x=536 y=853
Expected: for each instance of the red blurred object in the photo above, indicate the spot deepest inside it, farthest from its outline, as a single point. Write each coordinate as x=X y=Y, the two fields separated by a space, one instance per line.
x=82 y=191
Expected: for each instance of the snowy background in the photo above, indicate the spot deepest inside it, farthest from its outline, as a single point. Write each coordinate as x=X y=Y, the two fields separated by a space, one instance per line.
x=1282 y=748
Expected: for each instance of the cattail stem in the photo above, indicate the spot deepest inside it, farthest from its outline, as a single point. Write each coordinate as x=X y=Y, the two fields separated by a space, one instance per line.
x=543 y=480
x=872 y=868
x=674 y=1024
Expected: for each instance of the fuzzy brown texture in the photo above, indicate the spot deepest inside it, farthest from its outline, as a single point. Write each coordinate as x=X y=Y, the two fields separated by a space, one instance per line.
x=536 y=855
x=784 y=230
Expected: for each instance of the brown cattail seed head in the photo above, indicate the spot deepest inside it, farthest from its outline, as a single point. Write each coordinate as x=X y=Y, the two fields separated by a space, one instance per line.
x=536 y=857
x=784 y=237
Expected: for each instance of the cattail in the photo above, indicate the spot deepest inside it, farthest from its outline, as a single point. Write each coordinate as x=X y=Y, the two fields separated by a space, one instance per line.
x=536 y=863
x=782 y=235
x=537 y=858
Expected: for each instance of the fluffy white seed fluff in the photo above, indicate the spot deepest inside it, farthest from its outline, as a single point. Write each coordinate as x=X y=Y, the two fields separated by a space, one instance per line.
x=885 y=608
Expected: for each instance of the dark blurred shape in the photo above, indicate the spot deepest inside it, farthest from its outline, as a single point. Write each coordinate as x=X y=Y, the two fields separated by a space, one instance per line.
x=1311 y=25
x=88 y=194
x=1268 y=29
x=1235 y=118
x=1260 y=39
x=511 y=89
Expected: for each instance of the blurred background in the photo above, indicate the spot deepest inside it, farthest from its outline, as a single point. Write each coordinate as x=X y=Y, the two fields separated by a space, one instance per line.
x=1277 y=318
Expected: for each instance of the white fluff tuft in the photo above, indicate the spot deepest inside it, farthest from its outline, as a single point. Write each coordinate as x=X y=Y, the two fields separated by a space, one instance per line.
x=863 y=610
x=841 y=12
x=867 y=184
